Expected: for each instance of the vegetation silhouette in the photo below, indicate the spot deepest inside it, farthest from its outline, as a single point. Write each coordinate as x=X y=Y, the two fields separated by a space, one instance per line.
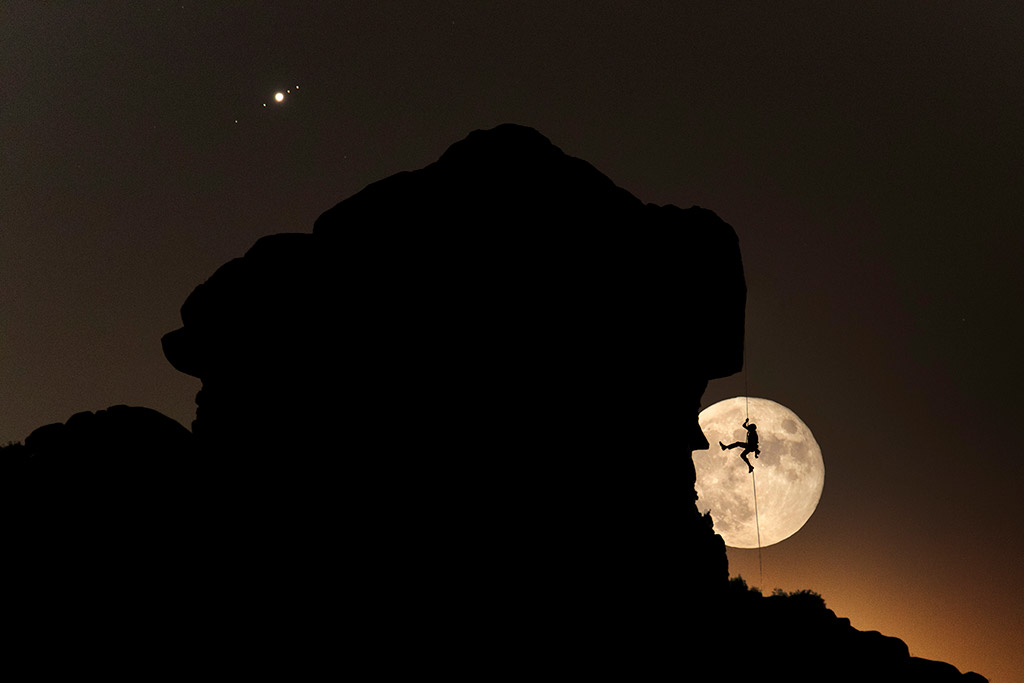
x=797 y=634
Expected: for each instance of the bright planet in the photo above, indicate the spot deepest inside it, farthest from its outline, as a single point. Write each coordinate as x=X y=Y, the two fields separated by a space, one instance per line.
x=789 y=473
x=279 y=97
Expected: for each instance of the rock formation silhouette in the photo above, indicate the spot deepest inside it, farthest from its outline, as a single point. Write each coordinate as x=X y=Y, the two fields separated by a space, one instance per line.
x=102 y=463
x=442 y=433
x=798 y=638
x=481 y=362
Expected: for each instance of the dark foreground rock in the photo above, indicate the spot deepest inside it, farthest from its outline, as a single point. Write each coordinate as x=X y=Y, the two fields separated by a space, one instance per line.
x=795 y=637
x=442 y=433
x=118 y=438
x=476 y=376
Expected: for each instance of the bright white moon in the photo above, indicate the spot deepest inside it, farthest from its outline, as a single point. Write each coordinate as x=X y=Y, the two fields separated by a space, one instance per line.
x=790 y=472
x=279 y=97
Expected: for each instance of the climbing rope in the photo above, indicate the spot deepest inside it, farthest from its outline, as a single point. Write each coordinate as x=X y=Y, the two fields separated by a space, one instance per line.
x=754 y=479
x=746 y=376
x=757 y=523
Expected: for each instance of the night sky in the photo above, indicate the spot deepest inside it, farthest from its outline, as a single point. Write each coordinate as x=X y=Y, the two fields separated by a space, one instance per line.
x=868 y=154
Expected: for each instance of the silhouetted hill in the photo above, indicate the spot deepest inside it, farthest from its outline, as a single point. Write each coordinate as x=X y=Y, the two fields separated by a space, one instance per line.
x=123 y=450
x=797 y=638
x=100 y=542
x=119 y=437
x=441 y=433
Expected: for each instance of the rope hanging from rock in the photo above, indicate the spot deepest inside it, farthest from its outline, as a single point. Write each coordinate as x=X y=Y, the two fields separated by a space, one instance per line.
x=753 y=477
x=757 y=523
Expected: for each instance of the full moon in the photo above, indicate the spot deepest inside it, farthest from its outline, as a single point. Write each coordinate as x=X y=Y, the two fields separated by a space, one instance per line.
x=789 y=473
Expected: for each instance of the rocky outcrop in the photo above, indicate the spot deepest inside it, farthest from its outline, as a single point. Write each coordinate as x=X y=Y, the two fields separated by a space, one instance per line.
x=481 y=361
x=119 y=438
x=441 y=433
x=96 y=459
x=101 y=540
x=795 y=637
x=505 y=255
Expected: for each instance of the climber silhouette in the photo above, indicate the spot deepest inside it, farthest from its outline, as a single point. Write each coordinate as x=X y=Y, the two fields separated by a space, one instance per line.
x=749 y=445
